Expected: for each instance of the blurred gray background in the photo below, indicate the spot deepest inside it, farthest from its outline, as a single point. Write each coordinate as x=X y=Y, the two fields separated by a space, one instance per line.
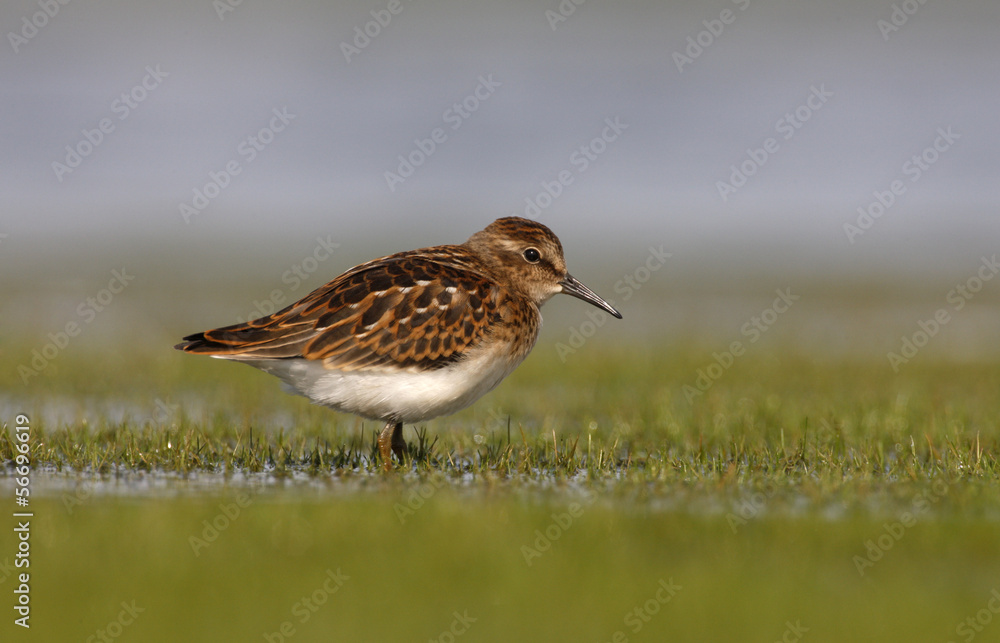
x=216 y=72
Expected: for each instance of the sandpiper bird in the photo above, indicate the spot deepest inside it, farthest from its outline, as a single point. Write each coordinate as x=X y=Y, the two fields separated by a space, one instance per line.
x=414 y=335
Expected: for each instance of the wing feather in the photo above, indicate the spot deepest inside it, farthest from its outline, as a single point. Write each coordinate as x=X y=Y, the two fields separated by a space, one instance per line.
x=411 y=310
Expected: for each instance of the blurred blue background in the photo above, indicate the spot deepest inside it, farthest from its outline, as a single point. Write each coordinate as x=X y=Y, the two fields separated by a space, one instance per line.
x=849 y=92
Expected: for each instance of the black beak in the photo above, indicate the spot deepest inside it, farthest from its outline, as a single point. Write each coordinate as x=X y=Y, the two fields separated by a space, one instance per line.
x=571 y=286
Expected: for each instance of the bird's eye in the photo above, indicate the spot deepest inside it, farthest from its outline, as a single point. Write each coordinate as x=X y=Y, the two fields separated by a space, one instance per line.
x=531 y=255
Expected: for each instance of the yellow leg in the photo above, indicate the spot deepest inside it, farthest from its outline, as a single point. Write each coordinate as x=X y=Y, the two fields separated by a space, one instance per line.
x=390 y=441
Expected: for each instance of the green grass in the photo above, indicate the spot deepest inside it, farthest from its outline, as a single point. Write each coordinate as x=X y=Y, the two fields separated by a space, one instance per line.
x=855 y=502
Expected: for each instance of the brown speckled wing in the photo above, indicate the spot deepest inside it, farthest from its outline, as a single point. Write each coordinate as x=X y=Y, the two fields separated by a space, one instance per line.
x=421 y=309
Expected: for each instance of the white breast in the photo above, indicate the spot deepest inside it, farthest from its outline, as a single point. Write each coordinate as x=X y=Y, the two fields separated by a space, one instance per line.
x=401 y=396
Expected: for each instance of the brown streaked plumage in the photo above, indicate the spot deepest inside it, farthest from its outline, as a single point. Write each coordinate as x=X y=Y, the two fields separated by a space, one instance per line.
x=413 y=335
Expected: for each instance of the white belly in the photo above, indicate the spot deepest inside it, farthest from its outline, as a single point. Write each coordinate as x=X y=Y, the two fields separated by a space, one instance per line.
x=399 y=396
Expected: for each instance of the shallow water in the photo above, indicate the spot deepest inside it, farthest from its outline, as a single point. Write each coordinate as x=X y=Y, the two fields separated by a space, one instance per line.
x=736 y=504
